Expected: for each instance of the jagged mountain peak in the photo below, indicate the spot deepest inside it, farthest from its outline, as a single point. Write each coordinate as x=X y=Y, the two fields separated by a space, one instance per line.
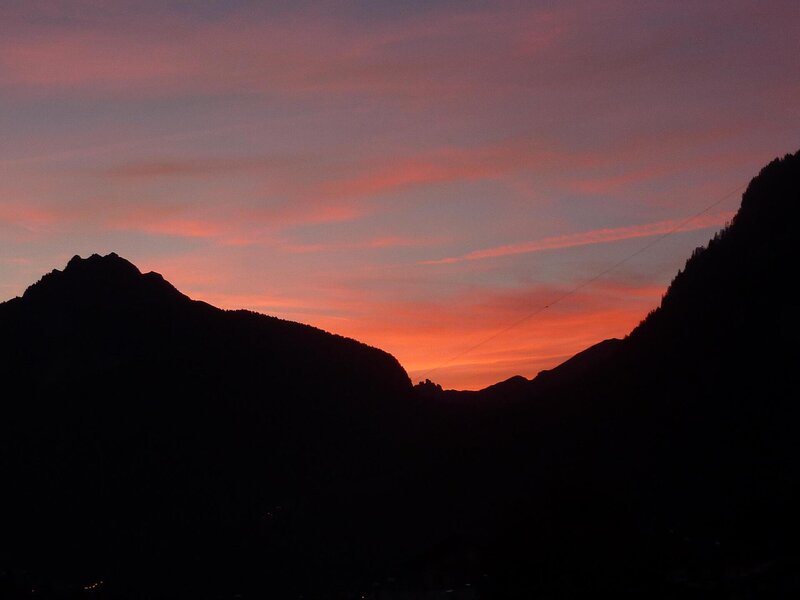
x=100 y=279
x=111 y=262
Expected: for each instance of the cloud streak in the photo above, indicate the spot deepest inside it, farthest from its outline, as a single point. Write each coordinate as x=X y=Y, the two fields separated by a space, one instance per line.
x=443 y=165
x=193 y=168
x=318 y=161
x=588 y=238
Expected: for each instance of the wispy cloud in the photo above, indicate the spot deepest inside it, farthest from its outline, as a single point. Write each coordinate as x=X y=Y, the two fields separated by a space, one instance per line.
x=208 y=167
x=595 y=236
x=262 y=154
x=376 y=243
x=442 y=165
x=25 y=215
x=166 y=54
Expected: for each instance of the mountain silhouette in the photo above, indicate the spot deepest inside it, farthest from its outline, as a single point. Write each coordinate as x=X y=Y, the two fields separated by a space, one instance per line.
x=669 y=458
x=141 y=422
x=168 y=449
x=102 y=309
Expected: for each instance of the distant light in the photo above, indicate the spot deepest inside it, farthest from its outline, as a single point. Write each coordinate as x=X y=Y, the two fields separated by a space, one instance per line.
x=93 y=586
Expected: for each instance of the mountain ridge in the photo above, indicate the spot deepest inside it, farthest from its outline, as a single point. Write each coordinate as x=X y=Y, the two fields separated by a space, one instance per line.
x=172 y=449
x=106 y=271
x=758 y=238
x=99 y=279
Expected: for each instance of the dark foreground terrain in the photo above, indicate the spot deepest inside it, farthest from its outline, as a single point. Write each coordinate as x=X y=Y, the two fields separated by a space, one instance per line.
x=157 y=447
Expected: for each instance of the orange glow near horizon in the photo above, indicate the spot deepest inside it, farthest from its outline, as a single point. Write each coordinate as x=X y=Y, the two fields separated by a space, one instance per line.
x=418 y=176
x=425 y=336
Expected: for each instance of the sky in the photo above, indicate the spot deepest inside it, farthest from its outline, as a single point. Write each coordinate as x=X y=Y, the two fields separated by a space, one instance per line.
x=425 y=177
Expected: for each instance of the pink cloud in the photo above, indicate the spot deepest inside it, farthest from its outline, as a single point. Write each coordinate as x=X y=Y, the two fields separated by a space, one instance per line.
x=144 y=216
x=315 y=53
x=442 y=165
x=596 y=236
x=612 y=183
x=191 y=168
x=66 y=59
x=368 y=244
x=26 y=215
x=244 y=225
x=179 y=228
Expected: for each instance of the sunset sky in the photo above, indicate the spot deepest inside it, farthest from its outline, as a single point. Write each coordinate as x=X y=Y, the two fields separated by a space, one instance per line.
x=418 y=175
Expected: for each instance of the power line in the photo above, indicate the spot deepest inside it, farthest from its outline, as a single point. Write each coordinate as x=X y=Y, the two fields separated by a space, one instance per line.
x=585 y=283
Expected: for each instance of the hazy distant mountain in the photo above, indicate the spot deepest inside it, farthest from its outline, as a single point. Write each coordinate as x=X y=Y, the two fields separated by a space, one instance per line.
x=172 y=449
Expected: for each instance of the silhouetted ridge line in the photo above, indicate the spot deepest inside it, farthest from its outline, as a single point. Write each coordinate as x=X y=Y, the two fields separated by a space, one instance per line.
x=746 y=255
x=585 y=283
x=100 y=279
x=666 y=462
x=174 y=450
x=140 y=420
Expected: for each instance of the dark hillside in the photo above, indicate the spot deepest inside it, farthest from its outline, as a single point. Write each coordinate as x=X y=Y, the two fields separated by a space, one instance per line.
x=670 y=455
x=172 y=449
x=140 y=425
